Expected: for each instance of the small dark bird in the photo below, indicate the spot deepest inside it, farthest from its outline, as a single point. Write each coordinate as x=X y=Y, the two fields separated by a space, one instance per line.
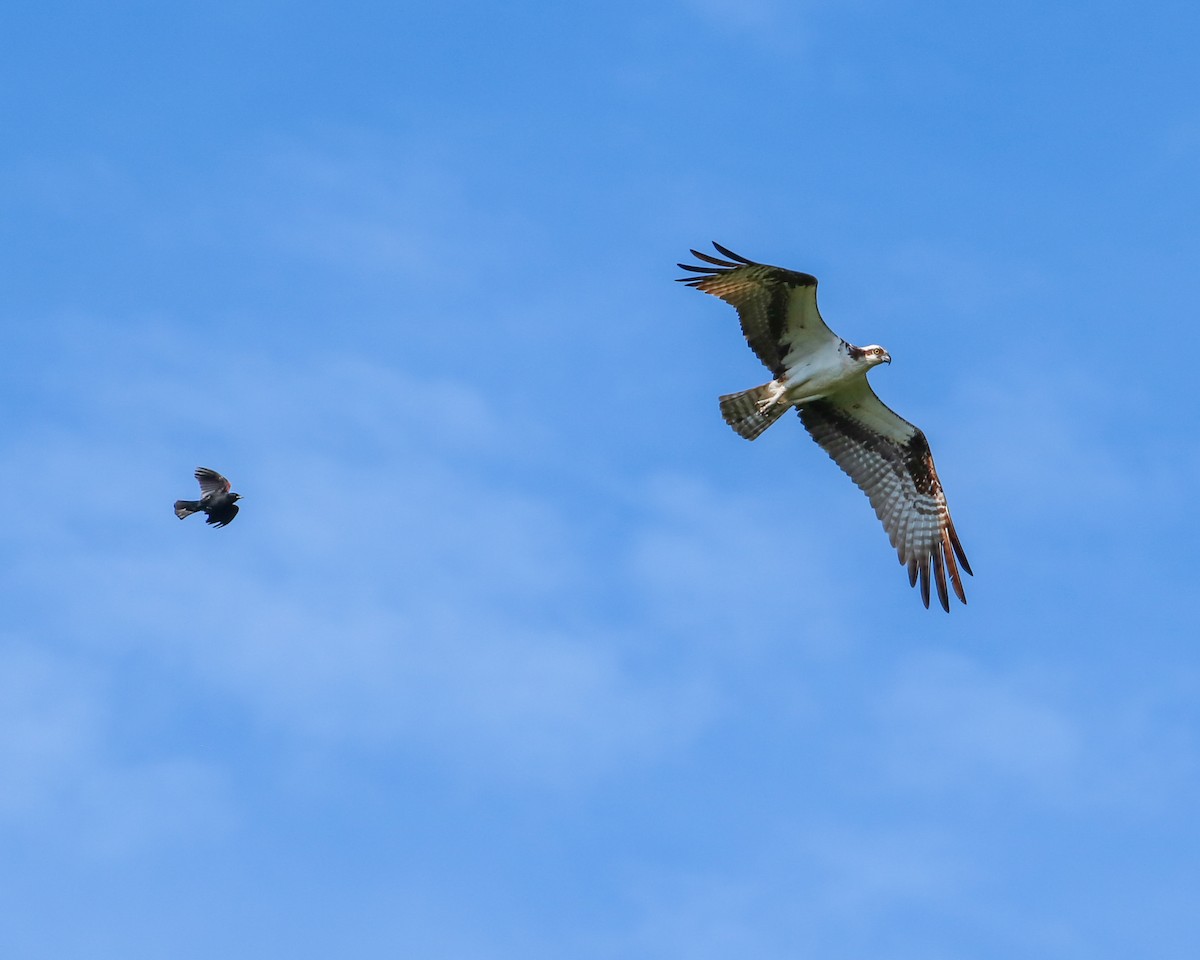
x=216 y=500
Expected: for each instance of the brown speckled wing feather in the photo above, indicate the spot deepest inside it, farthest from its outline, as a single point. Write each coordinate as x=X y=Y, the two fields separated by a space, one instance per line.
x=777 y=307
x=889 y=459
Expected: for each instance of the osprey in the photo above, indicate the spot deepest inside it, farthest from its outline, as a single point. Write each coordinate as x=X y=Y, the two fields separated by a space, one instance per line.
x=825 y=379
x=217 y=501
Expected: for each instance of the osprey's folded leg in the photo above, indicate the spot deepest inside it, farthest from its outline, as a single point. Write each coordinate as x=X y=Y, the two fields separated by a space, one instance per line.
x=775 y=392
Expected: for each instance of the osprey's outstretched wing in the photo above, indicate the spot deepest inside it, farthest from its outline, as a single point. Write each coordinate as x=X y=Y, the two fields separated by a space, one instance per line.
x=890 y=461
x=777 y=307
x=211 y=481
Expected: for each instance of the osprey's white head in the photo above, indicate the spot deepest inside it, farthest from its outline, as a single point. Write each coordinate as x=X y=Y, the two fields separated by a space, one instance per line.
x=871 y=356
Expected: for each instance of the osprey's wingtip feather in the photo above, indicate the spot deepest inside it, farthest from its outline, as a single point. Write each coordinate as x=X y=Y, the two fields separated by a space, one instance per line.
x=962 y=557
x=939 y=572
x=715 y=261
x=955 y=577
x=726 y=252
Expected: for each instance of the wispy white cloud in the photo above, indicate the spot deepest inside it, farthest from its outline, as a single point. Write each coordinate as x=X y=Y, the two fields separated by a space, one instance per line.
x=50 y=713
x=65 y=779
x=469 y=686
x=364 y=206
x=378 y=587
x=1039 y=441
x=948 y=723
x=723 y=569
x=770 y=23
x=830 y=889
x=950 y=726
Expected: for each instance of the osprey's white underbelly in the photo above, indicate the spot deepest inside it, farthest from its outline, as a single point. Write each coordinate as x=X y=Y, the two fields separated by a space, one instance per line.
x=818 y=376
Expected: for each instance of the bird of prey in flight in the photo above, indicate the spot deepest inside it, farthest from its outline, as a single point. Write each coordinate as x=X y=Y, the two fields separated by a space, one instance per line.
x=825 y=379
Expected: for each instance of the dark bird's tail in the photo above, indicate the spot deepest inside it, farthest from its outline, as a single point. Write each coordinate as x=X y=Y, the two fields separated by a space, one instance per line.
x=185 y=508
x=749 y=413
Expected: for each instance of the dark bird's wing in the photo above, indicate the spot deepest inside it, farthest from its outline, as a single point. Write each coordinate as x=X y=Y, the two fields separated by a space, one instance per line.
x=777 y=307
x=211 y=481
x=890 y=461
x=219 y=516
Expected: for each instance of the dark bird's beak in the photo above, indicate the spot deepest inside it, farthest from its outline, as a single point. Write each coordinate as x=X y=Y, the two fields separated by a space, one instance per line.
x=887 y=358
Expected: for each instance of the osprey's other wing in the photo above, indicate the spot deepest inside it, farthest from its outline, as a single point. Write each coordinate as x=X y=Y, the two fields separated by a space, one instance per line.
x=222 y=515
x=211 y=481
x=777 y=307
x=890 y=461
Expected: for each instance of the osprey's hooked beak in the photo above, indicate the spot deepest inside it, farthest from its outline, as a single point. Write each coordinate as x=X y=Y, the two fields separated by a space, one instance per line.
x=887 y=357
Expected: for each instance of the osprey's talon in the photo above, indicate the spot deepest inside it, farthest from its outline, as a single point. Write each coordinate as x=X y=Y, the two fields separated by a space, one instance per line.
x=768 y=402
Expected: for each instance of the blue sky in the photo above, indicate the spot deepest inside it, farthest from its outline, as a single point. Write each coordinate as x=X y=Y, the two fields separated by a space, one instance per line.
x=516 y=650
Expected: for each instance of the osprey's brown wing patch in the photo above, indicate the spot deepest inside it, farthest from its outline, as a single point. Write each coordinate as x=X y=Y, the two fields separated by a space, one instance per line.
x=777 y=307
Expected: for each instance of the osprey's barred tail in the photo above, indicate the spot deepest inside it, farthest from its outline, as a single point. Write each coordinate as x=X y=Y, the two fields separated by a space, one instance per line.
x=743 y=412
x=185 y=508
